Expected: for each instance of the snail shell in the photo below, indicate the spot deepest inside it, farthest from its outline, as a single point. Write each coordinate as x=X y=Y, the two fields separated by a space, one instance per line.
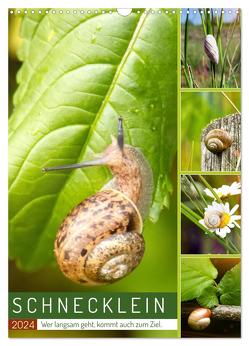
x=211 y=49
x=100 y=241
x=217 y=141
x=212 y=219
x=199 y=319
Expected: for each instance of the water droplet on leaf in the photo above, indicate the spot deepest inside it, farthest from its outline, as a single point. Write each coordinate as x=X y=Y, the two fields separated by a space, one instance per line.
x=93 y=39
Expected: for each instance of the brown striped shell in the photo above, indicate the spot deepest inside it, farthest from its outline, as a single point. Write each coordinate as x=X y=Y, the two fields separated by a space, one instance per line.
x=218 y=140
x=100 y=240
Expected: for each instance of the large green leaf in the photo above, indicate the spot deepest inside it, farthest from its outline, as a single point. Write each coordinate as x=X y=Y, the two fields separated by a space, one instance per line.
x=229 y=287
x=208 y=297
x=79 y=73
x=196 y=276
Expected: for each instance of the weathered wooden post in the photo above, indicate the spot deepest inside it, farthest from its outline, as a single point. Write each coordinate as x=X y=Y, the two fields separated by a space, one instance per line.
x=221 y=148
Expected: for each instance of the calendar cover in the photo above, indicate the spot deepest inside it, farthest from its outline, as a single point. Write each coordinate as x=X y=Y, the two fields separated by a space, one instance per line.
x=124 y=172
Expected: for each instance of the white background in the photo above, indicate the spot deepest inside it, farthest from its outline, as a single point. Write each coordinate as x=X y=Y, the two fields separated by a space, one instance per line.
x=3 y=165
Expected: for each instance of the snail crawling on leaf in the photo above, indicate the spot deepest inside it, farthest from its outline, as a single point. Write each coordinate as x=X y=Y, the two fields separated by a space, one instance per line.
x=100 y=241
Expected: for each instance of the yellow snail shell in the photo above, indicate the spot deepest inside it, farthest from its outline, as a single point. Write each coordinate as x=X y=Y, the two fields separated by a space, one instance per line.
x=212 y=219
x=218 y=140
x=199 y=319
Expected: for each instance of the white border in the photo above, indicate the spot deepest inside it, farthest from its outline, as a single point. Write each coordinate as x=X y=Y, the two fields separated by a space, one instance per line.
x=3 y=171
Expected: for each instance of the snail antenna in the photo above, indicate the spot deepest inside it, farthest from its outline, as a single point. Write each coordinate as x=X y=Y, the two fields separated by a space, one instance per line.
x=95 y=162
x=120 y=133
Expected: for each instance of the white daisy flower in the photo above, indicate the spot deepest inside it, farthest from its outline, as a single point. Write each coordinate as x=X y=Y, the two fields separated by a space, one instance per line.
x=220 y=219
x=225 y=190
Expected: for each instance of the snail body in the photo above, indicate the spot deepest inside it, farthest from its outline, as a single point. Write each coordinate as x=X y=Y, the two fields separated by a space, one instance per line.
x=199 y=319
x=217 y=140
x=100 y=241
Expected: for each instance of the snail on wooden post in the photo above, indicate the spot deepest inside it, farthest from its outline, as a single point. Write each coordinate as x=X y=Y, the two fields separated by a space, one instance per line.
x=100 y=241
x=217 y=140
x=199 y=319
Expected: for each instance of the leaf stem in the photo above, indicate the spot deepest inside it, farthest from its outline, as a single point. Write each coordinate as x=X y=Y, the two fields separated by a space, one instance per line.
x=210 y=188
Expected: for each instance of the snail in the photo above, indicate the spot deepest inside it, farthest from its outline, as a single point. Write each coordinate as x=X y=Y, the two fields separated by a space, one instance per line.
x=199 y=319
x=215 y=219
x=212 y=219
x=211 y=49
x=217 y=140
x=100 y=240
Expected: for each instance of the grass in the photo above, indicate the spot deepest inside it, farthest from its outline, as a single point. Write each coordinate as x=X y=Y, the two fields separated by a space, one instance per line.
x=197 y=69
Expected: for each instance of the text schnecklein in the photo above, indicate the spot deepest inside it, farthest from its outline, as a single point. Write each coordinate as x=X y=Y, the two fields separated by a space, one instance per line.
x=92 y=305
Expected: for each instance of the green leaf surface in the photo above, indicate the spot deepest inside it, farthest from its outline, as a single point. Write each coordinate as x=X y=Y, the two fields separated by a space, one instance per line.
x=208 y=297
x=79 y=73
x=196 y=275
x=229 y=287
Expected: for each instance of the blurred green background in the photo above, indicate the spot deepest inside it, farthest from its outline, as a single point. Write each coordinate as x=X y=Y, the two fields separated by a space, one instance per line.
x=193 y=239
x=156 y=273
x=198 y=109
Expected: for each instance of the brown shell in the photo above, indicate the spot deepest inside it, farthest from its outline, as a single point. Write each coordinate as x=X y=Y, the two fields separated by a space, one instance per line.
x=87 y=230
x=218 y=140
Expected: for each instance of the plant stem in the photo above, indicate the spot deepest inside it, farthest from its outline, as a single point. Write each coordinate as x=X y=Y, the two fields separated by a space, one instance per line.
x=192 y=216
x=190 y=163
x=192 y=77
x=203 y=23
x=230 y=101
x=226 y=51
x=196 y=206
x=198 y=191
x=218 y=37
x=186 y=76
x=208 y=21
x=210 y=188
x=186 y=39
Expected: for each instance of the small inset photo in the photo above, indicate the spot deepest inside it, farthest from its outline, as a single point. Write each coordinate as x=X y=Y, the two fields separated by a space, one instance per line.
x=210 y=48
x=210 y=214
x=210 y=297
x=210 y=131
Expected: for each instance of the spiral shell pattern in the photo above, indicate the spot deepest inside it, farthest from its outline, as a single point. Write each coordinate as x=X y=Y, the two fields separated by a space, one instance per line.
x=100 y=240
x=212 y=219
x=211 y=49
x=199 y=319
x=217 y=140
x=115 y=257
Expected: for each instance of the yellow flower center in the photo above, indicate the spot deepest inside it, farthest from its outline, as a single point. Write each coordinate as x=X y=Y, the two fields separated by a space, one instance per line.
x=224 y=220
